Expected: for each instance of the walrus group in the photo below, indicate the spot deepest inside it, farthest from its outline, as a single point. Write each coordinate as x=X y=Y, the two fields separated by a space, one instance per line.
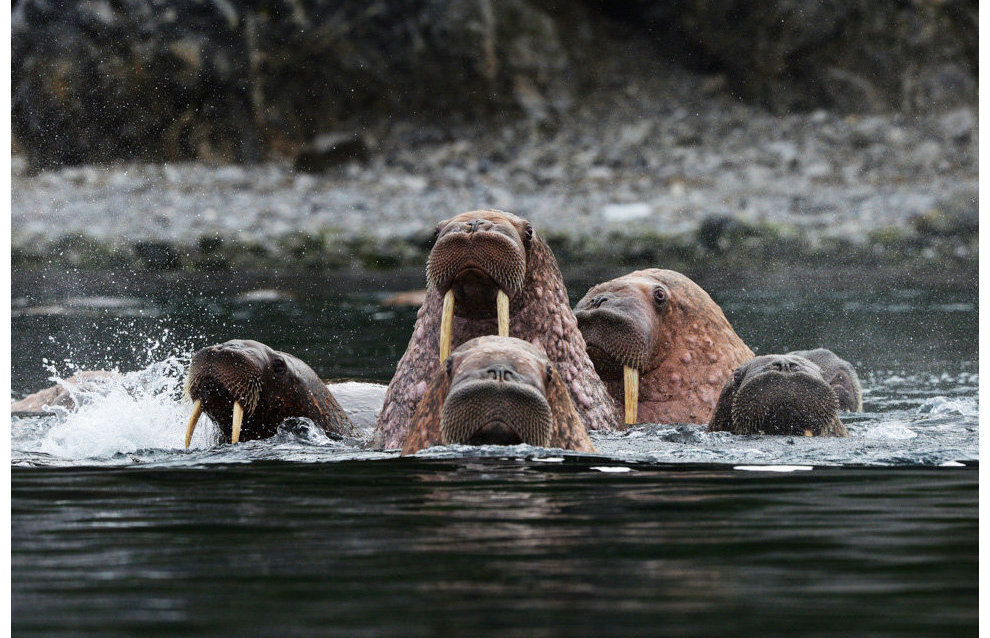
x=497 y=356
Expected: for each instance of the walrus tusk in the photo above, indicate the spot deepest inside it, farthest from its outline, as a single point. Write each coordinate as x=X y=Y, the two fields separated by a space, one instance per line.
x=235 y=429
x=502 y=304
x=446 y=325
x=193 y=420
x=631 y=380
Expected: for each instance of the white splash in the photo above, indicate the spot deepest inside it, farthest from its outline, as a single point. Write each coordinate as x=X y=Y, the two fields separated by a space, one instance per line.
x=890 y=430
x=774 y=468
x=940 y=405
x=128 y=412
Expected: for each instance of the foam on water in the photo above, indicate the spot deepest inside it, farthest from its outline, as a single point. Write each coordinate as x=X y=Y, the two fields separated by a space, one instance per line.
x=140 y=417
x=125 y=413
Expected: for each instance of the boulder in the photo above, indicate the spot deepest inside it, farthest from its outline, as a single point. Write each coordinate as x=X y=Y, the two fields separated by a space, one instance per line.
x=846 y=55
x=223 y=80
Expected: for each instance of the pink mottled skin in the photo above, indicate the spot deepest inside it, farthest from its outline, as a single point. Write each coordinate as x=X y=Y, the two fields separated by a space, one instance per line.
x=664 y=325
x=539 y=313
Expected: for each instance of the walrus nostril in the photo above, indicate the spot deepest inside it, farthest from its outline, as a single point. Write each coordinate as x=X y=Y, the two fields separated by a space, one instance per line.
x=500 y=373
x=473 y=225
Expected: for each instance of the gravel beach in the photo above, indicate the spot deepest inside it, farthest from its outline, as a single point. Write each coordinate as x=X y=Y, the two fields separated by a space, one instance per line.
x=635 y=169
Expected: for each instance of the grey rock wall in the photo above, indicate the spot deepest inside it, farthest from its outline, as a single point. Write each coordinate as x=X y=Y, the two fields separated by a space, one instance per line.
x=242 y=80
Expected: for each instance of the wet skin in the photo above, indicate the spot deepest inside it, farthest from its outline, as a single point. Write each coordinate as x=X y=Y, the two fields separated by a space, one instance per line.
x=781 y=394
x=479 y=257
x=269 y=385
x=497 y=391
x=672 y=336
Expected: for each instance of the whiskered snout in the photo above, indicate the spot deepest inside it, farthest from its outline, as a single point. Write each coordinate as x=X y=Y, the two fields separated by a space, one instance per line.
x=498 y=410
x=226 y=381
x=778 y=394
x=785 y=401
x=479 y=264
x=618 y=337
x=497 y=391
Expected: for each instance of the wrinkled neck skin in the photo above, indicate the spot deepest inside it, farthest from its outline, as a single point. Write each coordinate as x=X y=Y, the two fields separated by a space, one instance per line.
x=696 y=360
x=540 y=314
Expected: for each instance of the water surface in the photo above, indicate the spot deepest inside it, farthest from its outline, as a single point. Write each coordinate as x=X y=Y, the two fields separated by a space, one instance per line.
x=666 y=531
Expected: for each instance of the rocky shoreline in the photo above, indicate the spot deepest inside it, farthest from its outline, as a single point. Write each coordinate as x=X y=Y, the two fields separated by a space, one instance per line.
x=625 y=181
x=629 y=155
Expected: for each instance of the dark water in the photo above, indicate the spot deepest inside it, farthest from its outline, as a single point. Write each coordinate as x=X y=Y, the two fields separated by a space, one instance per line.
x=493 y=547
x=118 y=531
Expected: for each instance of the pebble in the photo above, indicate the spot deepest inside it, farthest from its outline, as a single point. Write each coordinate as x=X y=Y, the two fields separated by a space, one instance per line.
x=678 y=165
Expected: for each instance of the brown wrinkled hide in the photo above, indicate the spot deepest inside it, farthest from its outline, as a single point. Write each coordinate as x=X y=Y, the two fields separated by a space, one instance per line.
x=528 y=366
x=778 y=394
x=271 y=386
x=664 y=325
x=539 y=313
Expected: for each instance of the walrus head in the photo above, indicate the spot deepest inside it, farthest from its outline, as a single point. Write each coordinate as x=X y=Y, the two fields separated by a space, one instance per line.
x=478 y=264
x=659 y=323
x=778 y=394
x=498 y=391
x=839 y=374
x=483 y=266
x=247 y=389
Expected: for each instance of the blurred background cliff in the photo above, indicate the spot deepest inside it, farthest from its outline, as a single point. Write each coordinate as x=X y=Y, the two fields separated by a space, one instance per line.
x=214 y=134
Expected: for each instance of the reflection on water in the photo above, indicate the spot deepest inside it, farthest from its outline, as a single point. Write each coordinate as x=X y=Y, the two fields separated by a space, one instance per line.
x=494 y=547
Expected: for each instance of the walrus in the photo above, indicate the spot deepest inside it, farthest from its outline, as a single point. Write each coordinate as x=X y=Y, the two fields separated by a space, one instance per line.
x=501 y=391
x=839 y=374
x=42 y=402
x=484 y=265
x=660 y=344
x=248 y=389
x=778 y=394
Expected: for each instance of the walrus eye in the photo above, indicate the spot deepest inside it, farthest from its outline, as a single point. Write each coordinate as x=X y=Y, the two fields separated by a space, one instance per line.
x=659 y=296
x=448 y=366
x=278 y=364
x=528 y=233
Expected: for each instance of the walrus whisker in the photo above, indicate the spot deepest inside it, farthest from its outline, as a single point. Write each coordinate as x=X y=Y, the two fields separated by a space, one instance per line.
x=193 y=420
x=502 y=304
x=631 y=383
x=235 y=429
x=446 y=325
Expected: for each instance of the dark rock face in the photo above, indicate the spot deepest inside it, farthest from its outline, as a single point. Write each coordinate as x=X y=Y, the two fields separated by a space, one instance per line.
x=842 y=54
x=241 y=80
x=230 y=80
x=96 y=81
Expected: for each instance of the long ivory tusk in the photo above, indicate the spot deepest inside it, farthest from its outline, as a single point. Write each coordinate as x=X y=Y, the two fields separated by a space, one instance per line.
x=631 y=380
x=502 y=304
x=235 y=430
x=446 y=325
x=193 y=420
